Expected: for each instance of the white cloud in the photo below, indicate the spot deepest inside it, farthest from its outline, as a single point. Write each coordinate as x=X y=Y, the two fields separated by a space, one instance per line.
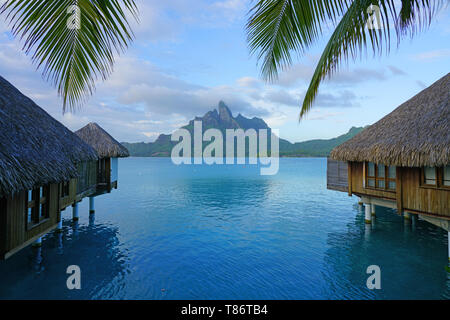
x=432 y=55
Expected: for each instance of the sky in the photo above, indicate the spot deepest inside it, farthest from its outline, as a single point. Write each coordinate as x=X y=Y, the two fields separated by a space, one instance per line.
x=190 y=54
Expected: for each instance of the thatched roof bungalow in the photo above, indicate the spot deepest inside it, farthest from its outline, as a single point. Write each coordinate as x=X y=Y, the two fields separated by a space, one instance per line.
x=103 y=143
x=35 y=149
x=416 y=134
x=108 y=150
x=403 y=160
x=37 y=153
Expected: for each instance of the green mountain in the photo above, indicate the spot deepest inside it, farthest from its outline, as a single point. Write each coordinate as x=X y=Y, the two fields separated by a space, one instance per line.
x=223 y=119
x=316 y=148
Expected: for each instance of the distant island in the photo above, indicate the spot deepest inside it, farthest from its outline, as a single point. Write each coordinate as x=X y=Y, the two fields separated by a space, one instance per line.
x=223 y=119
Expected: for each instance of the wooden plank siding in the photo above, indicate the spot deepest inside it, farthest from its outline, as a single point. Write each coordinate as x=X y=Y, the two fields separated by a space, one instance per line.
x=16 y=233
x=3 y=222
x=409 y=196
x=70 y=199
x=87 y=179
x=337 y=175
x=108 y=172
x=417 y=198
x=358 y=188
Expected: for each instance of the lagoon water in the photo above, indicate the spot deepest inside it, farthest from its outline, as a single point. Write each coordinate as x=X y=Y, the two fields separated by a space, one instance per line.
x=225 y=232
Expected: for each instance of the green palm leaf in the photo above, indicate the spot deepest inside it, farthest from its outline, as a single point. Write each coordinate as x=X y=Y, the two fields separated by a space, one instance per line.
x=72 y=58
x=276 y=28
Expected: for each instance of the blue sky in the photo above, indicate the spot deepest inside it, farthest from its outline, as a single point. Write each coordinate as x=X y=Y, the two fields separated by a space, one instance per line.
x=189 y=55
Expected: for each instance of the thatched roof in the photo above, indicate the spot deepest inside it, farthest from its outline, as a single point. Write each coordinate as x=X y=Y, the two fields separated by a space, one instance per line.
x=35 y=149
x=415 y=134
x=105 y=145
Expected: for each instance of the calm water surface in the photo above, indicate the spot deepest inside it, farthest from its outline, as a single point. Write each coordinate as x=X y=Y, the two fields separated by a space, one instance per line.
x=225 y=232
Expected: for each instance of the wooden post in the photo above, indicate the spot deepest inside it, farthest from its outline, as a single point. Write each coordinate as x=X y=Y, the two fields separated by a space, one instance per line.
x=368 y=214
x=75 y=214
x=364 y=175
x=91 y=205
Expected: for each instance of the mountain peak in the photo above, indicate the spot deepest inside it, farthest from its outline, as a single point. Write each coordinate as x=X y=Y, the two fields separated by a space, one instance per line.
x=224 y=112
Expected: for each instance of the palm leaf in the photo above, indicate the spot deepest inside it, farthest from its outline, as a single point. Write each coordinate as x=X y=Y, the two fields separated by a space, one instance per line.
x=73 y=59
x=351 y=35
x=276 y=28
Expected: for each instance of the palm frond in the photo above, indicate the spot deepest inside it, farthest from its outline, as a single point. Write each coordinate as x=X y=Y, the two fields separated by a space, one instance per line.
x=416 y=15
x=352 y=36
x=72 y=56
x=278 y=27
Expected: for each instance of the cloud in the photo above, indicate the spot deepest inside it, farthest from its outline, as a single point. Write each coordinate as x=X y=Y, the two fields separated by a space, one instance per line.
x=397 y=71
x=329 y=99
x=144 y=98
x=249 y=82
x=432 y=55
x=341 y=99
x=319 y=115
x=153 y=135
x=155 y=24
x=357 y=75
x=303 y=73
x=421 y=84
x=140 y=84
x=283 y=97
x=167 y=20
x=295 y=74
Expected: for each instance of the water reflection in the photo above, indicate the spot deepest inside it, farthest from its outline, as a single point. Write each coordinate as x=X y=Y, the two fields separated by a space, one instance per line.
x=37 y=260
x=40 y=273
x=401 y=251
x=223 y=233
x=226 y=193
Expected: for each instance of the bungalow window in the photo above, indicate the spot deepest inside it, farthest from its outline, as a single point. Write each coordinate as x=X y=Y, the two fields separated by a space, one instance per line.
x=436 y=177
x=446 y=176
x=30 y=206
x=371 y=175
x=37 y=206
x=392 y=175
x=65 y=192
x=379 y=176
x=430 y=176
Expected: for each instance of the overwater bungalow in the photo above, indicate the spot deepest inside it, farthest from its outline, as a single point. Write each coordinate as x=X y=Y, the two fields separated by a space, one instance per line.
x=38 y=157
x=106 y=168
x=401 y=161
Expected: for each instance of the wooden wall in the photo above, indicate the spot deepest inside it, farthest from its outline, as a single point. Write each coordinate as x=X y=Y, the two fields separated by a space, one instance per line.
x=87 y=179
x=410 y=195
x=2 y=226
x=357 y=183
x=68 y=201
x=337 y=175
x=16 y=233
x=423 y=199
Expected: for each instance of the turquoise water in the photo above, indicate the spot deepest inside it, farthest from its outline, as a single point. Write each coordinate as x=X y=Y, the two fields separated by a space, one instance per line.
x=225 y=232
